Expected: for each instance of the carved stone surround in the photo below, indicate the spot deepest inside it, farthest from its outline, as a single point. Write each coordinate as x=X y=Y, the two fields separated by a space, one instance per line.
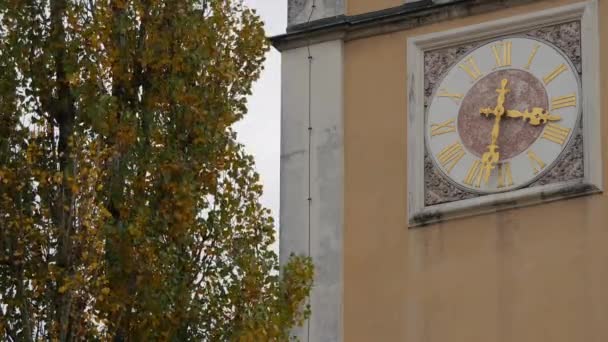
x=570 y=166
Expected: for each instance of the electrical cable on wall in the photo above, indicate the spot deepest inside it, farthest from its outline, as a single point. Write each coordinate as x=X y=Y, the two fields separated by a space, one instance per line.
x=310 y=60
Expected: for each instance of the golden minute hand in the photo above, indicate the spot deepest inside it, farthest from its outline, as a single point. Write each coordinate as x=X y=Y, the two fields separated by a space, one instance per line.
x=535 y=117
x=491 y=158
x=498 y=111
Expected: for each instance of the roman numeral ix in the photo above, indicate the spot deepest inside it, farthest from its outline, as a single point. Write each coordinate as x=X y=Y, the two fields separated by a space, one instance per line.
x=455 y=97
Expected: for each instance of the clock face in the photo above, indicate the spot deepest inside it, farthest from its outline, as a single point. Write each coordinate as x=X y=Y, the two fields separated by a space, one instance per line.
x=502 y=116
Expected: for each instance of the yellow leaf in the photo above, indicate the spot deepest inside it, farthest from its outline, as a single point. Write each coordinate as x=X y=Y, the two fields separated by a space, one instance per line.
x=63 y=289
x=105 y=291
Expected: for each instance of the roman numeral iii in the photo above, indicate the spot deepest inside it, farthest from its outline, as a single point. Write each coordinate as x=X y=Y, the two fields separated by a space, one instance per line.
x=551 y=76
x=450 y=156
x=505 y=178
x=536 y=162
x=556 y=133
x=563 y=101
x=502 y=54
x=470 y=67
x=443 y=128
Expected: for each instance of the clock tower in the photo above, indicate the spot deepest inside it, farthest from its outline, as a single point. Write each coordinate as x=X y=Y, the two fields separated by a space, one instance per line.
x=443 y=164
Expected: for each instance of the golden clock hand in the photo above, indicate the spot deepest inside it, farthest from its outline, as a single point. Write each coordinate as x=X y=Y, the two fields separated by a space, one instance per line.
x=502 y=95
x=486 y=111
x=490 y=158
x=498 y=111
x=489 y=161
x=535 y=117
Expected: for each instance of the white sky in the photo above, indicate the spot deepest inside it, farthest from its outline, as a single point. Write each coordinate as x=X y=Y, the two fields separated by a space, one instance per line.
x=260 y=130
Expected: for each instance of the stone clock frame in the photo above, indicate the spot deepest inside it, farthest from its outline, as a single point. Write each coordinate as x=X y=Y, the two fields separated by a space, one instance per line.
x=419 y=213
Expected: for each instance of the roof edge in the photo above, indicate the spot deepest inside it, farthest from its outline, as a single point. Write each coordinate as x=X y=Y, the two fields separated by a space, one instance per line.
x=393 y=19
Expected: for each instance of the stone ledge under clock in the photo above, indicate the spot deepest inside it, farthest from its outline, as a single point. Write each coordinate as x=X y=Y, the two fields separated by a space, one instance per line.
x=502 y=201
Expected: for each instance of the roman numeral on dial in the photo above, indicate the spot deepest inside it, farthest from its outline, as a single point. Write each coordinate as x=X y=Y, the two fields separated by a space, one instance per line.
x=551 y=76
x=556 y=133
x=536 y=162
x=505 y=178
x=563 y=101
x=444 y=93
x=443 y=128
x=470 y=67
x=502 y=54
x=476 y=174
x=450 y=156
x=532 y=55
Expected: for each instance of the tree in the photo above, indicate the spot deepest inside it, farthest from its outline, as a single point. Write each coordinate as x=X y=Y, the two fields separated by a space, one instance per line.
x=128 y=211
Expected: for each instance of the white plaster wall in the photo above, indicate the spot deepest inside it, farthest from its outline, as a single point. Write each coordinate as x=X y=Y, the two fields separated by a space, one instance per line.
x=324 y=241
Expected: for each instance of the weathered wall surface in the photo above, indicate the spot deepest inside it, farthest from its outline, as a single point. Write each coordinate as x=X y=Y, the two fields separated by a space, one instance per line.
x=531 y=274
x=313 y=168
x=355 y=7
x=365 y=6
x=300 y=11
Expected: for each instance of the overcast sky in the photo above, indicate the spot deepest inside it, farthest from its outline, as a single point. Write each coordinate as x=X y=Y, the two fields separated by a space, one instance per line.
x=260 y=131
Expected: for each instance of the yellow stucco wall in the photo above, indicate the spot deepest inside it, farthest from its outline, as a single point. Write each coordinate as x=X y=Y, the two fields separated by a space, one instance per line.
x=530 y=274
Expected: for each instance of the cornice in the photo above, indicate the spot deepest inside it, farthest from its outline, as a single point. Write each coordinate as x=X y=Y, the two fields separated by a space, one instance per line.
x=394 y=19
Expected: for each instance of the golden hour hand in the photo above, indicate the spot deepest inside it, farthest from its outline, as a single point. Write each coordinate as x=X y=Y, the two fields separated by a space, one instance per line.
x=536 y=117
x=491 y=158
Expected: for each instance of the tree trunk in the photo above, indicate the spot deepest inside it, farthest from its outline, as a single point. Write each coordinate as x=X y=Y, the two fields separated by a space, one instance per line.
x=122 y=277
x=64 y=114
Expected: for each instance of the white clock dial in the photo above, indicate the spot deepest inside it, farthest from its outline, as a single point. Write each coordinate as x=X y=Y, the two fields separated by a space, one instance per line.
x=501 y=117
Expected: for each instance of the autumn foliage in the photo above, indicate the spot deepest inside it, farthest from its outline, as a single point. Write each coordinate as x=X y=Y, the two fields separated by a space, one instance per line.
x=128 y=211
